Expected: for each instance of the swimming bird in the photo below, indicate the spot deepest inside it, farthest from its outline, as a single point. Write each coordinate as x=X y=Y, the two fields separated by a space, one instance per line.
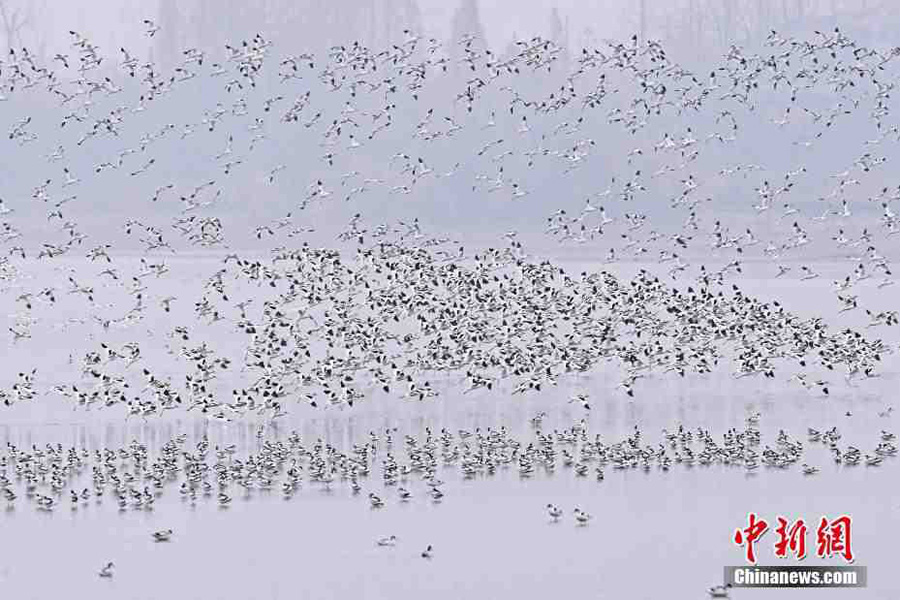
x=555 y=512
x=162 y=536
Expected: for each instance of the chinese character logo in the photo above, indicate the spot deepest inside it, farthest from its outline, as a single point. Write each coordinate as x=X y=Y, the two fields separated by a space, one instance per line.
x=749 y=536
x=793 y=539
x=834 y=538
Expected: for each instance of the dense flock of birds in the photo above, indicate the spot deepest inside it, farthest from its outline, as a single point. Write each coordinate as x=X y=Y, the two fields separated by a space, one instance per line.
x=388 y=308
x=385 y=467
x=329 y=326
x=398 y=322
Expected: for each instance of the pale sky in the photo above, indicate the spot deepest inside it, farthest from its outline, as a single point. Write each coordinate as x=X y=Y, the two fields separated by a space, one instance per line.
x=114 y=23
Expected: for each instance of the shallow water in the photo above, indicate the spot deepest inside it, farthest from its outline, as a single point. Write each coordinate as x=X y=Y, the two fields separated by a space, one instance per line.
x=654 y=534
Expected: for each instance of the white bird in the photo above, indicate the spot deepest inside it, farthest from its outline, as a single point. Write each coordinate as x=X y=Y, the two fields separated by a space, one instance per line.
x=162 y=536
x=555 y=512
x=518 y=192
x=808 y=273
x=152 y=28
x=581 y=399
x=70 y=179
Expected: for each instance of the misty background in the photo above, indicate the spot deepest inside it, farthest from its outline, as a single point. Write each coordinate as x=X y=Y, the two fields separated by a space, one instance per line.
x=692 y=27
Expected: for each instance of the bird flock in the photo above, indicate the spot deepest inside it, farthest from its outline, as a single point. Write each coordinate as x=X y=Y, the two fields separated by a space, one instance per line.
x=387 y=305
x=302 y=190
x=394 y=468
x=403 y=323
